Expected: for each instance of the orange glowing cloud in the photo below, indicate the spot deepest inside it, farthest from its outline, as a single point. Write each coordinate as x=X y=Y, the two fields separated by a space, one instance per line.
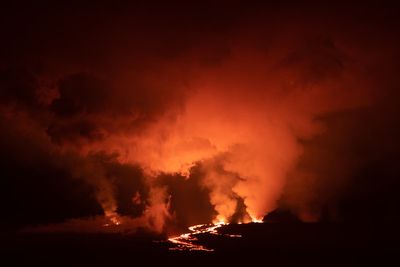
x=239 y=117
x=242 y=121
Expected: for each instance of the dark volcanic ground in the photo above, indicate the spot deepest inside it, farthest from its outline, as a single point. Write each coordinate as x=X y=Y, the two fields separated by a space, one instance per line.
x=265 y=244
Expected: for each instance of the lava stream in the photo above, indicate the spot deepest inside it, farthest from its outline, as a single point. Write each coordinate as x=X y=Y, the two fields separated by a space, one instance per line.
x=187 y=241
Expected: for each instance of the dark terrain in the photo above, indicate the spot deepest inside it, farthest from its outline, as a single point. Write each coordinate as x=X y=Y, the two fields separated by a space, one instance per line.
x=266 y=244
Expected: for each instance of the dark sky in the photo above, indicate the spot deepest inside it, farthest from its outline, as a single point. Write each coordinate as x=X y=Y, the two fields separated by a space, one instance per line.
x=189 y=111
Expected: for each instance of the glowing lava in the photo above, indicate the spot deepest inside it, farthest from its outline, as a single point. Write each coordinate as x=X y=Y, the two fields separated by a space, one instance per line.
x=113 y=219
x=187 y=241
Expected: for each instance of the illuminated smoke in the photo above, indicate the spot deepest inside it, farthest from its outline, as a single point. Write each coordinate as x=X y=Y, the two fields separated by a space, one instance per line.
x=243 y=121
x=238 y=104
x=157 y=212
x=240 y=121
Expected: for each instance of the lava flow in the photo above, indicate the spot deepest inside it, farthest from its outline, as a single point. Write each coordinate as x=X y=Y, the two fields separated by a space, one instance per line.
x=112 y=219
x=187 y=241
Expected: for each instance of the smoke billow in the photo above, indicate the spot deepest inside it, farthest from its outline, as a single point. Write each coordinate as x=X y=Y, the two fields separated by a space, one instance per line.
x=177 y=120
x=251 y=111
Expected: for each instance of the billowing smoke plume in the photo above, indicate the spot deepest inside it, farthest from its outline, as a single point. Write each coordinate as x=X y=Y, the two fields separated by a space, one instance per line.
x=228 y=107
x=247 y=114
